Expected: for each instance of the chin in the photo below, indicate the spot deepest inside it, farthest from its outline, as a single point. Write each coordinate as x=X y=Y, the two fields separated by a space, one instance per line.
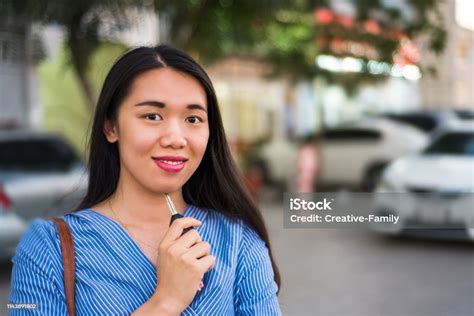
x=161 y=189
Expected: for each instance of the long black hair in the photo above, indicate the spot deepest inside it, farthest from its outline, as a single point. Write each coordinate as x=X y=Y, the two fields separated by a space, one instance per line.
x=216 y=184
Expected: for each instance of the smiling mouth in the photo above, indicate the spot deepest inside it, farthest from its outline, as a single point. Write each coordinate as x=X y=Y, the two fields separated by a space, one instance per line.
x=173 y=165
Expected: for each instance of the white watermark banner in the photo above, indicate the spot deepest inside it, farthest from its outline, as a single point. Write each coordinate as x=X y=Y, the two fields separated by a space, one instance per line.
x=385 y=211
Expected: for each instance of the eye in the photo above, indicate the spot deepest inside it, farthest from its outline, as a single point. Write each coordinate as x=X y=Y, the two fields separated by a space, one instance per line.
x=194 y=119
x=153 y=117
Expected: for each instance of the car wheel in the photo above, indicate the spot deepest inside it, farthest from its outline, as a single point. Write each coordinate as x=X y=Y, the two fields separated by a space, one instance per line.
x=372 y=175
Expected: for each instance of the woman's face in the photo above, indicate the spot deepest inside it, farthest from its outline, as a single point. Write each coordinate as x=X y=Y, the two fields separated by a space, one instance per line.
x=162 y=130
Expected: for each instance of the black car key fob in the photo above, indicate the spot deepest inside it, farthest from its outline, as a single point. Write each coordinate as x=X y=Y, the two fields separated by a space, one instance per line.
x=175 y=217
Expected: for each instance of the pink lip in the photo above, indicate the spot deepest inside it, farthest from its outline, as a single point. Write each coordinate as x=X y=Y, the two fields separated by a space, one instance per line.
x=171 y=158
x=169 y=167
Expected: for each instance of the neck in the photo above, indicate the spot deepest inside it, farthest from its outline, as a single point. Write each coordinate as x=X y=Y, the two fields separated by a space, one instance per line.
x=136 y=206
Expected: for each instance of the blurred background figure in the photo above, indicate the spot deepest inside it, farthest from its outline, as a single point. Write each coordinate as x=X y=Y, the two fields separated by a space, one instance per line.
x=308 y=165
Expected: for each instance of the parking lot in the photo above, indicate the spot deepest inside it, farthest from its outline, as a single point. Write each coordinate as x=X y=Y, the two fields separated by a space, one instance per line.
x=348 y=272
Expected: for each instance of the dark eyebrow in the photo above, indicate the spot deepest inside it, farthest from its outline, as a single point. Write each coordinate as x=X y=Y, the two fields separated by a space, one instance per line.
x=152 y=103
x=161 y=105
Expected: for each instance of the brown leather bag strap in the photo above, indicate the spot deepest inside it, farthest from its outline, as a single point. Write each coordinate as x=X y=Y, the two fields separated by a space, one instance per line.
x=69 y=263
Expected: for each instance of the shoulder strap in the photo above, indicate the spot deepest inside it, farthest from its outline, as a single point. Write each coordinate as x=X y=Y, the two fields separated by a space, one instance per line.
x=69 y=263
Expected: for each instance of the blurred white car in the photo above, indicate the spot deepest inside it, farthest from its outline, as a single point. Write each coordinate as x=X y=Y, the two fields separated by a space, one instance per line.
x=433 y=189
x=40 y=176
x=355 y=155
x=11 y=227
x=278 y=159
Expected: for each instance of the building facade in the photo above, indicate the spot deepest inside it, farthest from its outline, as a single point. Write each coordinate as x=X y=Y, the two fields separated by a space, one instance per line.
x=452 y=87
x=20 y=51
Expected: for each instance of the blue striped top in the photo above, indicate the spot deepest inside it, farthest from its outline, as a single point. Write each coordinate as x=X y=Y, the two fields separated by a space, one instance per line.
x=114 y=277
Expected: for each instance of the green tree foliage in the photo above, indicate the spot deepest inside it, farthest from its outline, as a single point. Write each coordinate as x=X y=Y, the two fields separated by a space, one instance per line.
x=81 y=21
x=285 y=34
x=282 y=33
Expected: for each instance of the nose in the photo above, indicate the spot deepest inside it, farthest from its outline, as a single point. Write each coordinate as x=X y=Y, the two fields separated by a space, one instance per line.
x=173 y=136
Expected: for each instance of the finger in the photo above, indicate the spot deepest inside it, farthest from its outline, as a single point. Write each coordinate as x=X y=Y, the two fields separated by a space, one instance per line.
x=176 y=228
x=187 y=240
x=198 y=251
x=206 y=263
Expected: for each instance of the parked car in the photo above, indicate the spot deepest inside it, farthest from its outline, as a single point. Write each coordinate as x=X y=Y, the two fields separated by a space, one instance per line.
x=12 y=227
x=277 y=160
x=435 y=189
x=40 y=176
x=355 y=155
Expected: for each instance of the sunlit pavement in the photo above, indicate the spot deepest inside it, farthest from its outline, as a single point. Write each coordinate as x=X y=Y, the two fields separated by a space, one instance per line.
x=348 y=272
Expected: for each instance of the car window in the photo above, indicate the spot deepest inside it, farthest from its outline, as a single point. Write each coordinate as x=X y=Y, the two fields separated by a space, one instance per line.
x=352 y=135
x=464 y=114
x=36 y=155
x=455 y=143
x=423 y=123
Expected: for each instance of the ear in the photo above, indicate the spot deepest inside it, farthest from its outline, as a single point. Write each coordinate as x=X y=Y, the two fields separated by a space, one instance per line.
x=110 y=131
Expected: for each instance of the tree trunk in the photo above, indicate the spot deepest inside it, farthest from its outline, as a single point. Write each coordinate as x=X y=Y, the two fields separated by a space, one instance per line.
x=87 y=89
x=81 y=49
x=81 y=73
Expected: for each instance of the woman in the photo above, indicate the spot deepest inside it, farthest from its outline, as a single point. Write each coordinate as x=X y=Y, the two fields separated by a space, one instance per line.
x=157 y=129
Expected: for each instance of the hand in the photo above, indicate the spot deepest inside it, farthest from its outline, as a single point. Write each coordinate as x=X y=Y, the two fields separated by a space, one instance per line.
x=182 y=262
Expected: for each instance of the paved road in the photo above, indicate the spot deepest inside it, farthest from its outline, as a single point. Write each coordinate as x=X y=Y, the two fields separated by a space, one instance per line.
x=345 y=272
